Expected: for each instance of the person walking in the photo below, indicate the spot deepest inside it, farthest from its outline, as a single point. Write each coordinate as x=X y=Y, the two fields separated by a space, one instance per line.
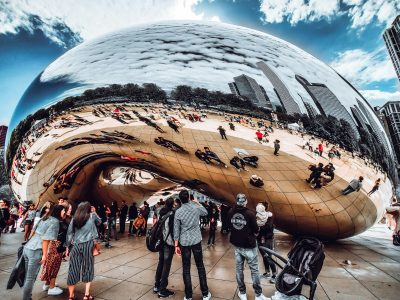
x=57 y=249
x=376 y=187
x=265 y=238
x=132 y=215
x=222 y=132
x=277 y=146
x=187 y=236
x=81 y=236
x=112 y=220
x=259 y=136
x=122 y=216
x=4 y=215
x=244 y=229
x=145 y=211
x=36 y=249
x=320 y=148
x=28 y=220
x=166 y=252
x=213 y=225
x=355 y=185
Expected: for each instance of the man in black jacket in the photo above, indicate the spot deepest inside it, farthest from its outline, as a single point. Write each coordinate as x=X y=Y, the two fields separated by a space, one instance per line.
x=244 y=228
x=122 y=216
x=166 y=252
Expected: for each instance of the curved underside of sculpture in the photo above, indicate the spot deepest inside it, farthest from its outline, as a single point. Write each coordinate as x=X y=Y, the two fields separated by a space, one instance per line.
x=102 y=160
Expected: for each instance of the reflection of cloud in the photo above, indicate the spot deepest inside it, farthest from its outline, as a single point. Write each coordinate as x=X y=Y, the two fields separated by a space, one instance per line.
x=90 y=18
x=360 y=12
x=378 y=98
x=200 y=54
x=363 y=68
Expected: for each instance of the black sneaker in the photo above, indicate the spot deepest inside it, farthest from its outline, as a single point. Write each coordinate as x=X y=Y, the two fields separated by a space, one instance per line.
x=272 y=280
x=165 y=294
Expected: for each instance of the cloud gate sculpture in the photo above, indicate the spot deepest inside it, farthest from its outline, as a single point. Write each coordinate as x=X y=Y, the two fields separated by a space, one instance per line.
x=129 y=116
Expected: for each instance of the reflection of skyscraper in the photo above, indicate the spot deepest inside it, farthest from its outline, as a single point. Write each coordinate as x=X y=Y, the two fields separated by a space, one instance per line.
x=359 y=117
x=391 y=37
x=376 y=128
x=248 y=87
x=3 y=132
x=233 y=88
x=290 y=105
x=327 y=102
x=390 y=114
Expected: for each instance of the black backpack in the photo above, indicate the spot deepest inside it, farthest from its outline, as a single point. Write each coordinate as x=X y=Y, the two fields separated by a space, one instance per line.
x=155 y=238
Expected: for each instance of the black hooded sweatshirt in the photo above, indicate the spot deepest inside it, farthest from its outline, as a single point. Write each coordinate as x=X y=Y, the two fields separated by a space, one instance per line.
x=243 y=224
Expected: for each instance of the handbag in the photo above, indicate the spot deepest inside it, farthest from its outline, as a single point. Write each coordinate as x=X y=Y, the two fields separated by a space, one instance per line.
x=96 y=248
x=396 y=238
x=96 y=245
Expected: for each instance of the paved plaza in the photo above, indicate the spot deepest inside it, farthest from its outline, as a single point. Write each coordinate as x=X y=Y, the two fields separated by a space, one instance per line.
x=126 y=271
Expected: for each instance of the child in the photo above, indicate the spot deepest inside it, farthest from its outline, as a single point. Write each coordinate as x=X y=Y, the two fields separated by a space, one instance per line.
x=213 y=227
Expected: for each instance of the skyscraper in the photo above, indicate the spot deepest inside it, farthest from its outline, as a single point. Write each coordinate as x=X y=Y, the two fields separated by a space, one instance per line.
x=248 y=87
x=390 y=115
x=391 y=36
x=3 y=133
x=327 y=102
x=289 y=104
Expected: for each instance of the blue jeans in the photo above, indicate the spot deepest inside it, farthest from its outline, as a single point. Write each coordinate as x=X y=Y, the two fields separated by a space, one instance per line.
x=348 y=190
x=32 y=267
x=164 y=266
x=250 y=255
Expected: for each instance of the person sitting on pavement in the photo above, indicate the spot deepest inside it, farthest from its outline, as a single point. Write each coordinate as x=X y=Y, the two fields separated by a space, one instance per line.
x=212 y=156
x=354 y=185
x=238 y=163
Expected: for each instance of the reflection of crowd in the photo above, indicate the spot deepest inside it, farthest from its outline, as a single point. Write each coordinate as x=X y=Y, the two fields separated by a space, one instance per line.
x=169 y=144
x=320 y=175
x=114 y=137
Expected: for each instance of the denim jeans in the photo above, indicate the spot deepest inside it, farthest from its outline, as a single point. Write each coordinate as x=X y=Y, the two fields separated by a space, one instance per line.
x=348 y=190
x=250 y=255
x=198 y=258
x=32 y=267
x=268 y=262
x=164 y=266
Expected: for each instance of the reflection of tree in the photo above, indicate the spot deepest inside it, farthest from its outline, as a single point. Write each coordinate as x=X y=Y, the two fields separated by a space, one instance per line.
x=329 y=128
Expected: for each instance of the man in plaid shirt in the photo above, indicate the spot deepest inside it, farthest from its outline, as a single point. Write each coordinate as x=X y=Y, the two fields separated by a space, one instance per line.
x=187 y=236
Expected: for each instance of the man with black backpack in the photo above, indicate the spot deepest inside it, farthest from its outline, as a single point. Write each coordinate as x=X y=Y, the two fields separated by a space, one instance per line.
x=166 y=252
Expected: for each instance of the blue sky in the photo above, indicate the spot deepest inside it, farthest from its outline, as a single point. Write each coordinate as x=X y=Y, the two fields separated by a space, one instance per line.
x=346 y=34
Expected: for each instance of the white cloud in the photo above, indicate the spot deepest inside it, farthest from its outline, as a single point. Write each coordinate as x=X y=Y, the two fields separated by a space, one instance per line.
x=378 y=98
x=364 y=12
x=92 y=18
x=275 y=11
x=363 y=68
x=360 y=12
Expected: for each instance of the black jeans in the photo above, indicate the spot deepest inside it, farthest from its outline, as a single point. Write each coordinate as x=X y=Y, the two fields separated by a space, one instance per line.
x=267 y=259
x=164 y=266
x=198 y=258
x=211 y=237
x=122 y=220
x=112 y=226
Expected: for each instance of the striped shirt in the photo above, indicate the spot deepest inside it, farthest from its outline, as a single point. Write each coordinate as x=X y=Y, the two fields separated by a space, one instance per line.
x=186 y=224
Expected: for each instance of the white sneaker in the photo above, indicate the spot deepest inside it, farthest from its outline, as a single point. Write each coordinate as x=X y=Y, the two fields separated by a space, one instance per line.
x=55 y=291
x=242 y=296
x=262 y=297
x=208 y=297
x=45 y=287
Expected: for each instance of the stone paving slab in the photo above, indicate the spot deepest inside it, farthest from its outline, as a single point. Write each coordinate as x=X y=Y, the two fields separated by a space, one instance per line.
x=126 y=271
